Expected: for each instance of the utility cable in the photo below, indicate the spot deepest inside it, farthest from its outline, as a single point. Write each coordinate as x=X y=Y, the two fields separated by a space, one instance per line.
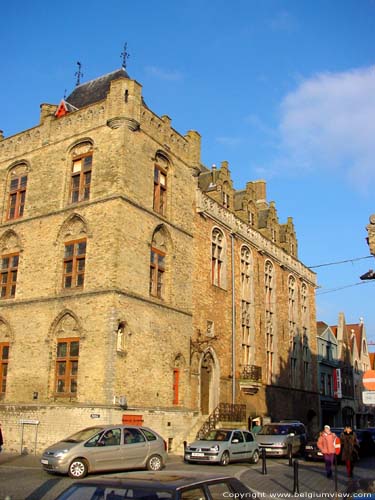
x=342 y=262
x=342 y=287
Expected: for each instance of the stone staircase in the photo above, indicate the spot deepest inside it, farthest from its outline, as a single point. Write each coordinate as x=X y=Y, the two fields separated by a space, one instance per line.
x=224 y=415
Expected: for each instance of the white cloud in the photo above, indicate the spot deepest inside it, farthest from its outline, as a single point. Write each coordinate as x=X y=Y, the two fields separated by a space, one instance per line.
x=329 y=122
x=164 y=74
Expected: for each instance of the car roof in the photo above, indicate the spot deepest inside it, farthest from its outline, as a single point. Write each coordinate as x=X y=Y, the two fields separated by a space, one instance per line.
x=160 y=479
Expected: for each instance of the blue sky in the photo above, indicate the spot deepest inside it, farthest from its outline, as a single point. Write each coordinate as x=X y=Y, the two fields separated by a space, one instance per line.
x=282 y=90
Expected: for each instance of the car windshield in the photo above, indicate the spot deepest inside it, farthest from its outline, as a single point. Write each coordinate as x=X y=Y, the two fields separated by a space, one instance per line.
x=80 y=436
x=96 y=492
x=217 y=435
x=275 y=430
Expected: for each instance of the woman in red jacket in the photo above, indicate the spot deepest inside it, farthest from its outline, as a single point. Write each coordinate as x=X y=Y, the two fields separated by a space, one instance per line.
x=326 y=444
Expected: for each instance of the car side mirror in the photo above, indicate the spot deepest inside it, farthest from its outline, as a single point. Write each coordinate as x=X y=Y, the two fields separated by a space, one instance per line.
x=235 y=440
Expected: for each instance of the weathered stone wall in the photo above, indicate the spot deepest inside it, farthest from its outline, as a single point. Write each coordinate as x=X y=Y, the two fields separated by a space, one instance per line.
x=56 y=422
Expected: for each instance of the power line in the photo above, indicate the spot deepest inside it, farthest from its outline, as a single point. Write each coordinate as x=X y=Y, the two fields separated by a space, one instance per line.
x=342 y=287
x=342 y=262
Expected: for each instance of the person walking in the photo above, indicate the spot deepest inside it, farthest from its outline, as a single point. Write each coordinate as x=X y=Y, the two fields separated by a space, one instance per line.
x=326 y=444
x=349 y=449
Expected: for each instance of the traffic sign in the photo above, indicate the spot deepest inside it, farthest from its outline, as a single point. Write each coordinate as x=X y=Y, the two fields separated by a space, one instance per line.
x=368 y=397
x=369 y=380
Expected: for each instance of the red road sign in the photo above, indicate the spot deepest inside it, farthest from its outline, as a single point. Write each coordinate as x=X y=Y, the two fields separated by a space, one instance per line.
x=369 y=380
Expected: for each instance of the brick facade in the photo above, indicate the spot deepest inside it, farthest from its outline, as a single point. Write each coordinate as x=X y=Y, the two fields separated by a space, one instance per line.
x=166 y=347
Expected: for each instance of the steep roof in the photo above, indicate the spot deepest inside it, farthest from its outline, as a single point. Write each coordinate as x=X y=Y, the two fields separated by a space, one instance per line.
x=94 y=90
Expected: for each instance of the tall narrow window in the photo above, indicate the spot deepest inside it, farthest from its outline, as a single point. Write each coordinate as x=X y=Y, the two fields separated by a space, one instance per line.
x=176 y=381
x=74 y=264
x=157 y=269
x=4 y=356
x=158 y=263
x=294 y=355
x=269 y=313
x=9 y=269
x=246 y=294
x=67 y=366
x=17 y=196
x=81 y=178
x=292 y=302
x=217 y=258
x=160 y=190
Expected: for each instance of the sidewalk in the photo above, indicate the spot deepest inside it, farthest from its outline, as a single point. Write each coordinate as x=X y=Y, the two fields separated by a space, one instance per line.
x=312 y=479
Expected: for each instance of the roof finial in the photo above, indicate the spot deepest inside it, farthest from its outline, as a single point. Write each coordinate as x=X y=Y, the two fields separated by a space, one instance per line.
x=125 y=55
x=78 y=74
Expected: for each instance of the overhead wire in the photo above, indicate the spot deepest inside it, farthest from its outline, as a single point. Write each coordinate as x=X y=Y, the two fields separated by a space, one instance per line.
x=341 y=262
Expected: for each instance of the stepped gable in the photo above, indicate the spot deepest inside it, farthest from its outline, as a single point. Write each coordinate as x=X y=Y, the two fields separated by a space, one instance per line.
x=94 y=90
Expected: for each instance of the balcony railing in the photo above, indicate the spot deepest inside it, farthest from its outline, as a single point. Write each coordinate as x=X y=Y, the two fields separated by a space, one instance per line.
x=252 y=373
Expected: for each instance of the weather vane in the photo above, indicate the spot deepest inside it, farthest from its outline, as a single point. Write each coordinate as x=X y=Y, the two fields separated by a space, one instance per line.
x=124 y=55
x=78 y=74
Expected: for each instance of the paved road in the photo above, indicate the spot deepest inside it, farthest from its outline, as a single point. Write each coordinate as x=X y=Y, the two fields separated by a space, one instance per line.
x=21 y=477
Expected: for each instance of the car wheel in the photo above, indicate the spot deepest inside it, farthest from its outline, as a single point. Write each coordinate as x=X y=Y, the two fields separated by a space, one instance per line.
x=224 y=460
x=78 y=468
x=154 y=462
x=255 y=457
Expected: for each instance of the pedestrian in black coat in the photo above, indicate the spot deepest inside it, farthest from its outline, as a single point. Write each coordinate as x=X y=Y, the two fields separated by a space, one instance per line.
x=349 y=449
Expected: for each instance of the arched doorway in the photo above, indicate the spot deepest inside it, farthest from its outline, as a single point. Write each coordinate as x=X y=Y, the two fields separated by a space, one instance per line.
x=209 y=383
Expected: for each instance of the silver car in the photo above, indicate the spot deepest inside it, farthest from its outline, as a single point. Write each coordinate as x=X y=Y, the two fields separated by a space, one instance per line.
x=280 y=438
x=223 y=446
x=111 y=447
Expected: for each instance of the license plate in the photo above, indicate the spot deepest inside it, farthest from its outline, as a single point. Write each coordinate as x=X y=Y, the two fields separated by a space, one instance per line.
x=308 y=447
x=44 y=462
x=320 y=453
x=197 y=454
x=268 y=449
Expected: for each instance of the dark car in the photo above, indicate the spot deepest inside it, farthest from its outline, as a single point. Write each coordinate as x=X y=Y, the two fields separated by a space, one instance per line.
x=157 y=486
x=366 y=439
x=312 y=451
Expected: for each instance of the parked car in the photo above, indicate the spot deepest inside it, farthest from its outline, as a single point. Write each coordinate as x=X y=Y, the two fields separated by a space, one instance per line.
x=366 y=438
x=276 y=438
x=312 y=451
x=159 y=486
x=223 y=446
x=107 y=447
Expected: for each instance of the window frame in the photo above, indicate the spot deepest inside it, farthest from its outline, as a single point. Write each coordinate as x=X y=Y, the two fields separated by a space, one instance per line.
x=69 y=359
x=4 y=361
x=75 y=259
x=82 y=184
x=160 y=190
x=19 y=194
x=176 y=385
x=157 y=273
x=217 y=257
x=9 y=271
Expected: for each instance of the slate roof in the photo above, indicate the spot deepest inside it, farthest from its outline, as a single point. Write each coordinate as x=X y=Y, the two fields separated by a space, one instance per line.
x=94 y=90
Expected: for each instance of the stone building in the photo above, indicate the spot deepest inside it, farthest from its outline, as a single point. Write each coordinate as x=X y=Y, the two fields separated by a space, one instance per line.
x=137 y=284
x=254 y=339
